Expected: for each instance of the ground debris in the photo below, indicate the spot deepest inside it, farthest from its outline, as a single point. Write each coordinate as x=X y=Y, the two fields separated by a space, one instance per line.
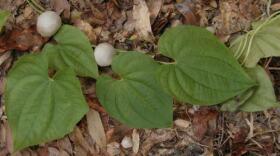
x=21 y=39
x=137 y=25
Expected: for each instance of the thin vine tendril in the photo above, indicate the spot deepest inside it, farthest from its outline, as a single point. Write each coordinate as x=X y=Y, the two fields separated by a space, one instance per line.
x=250 y=35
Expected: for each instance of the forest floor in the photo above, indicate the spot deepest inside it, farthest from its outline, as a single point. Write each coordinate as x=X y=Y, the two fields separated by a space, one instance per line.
x=137 y=25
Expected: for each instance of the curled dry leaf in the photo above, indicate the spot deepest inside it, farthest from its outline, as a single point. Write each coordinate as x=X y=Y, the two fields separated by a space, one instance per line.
x=142 y=24
x=95 y=128
x=186 y=8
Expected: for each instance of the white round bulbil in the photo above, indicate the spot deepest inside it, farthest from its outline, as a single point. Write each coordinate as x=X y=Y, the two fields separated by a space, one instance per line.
x=48 y=23
x=104 y=53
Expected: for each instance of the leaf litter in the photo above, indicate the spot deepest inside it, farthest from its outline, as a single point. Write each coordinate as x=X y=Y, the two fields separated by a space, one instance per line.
x=197 y=131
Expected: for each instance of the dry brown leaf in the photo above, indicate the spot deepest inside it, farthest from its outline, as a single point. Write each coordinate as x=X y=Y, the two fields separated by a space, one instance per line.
x=117 y=133
x=64 y=144
x=236 y=15
x=21 y=40
x=43 y=151
x=9 y=140
x=2 y=86
x=4 y=57
x=4 y=152
x=95 y=128
x=61 y=6
x=160 y=135
x=2 y=135
x=154 y=8
x=275 y=6
x=87 y=29
x=186 y=8
x=79 y=140
x=135 y=141
x=113 y=149
x=204 y=121
x=81 y=151
x=53 y=151
x=142 y=23
x=63 y=153
x=94 y=104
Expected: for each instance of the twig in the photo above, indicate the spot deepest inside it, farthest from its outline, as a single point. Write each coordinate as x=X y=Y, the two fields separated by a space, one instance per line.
x=269 y=131
x=4 y=57
x=267 y=63
x=274 y=68
x=251 y=126
x=258 y=144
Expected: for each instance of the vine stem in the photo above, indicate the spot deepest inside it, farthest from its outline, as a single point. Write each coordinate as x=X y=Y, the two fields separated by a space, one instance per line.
x=167 y=63
x=254 y=32
x=37 y=7
x=125 y=51
x=117 y=50
x=250 y=35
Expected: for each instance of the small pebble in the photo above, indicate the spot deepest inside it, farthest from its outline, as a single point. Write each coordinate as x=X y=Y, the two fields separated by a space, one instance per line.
x=182 y=123
x=126 y=142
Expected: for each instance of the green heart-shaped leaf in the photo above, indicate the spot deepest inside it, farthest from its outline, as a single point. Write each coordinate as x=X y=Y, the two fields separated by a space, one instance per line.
x=264 y=96
x=41 y=108
x=259 y=98
x=204 y=71
x=135 y=98
x=73 y=50
x=3 y=18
